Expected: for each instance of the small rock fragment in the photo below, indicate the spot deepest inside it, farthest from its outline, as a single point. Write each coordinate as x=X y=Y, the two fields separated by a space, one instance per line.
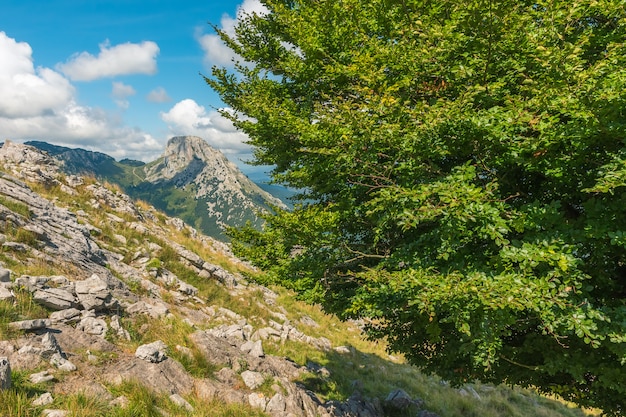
x=43 y=399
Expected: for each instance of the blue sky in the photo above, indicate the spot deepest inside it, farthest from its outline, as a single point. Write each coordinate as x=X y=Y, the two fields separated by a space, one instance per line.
x=115 y=76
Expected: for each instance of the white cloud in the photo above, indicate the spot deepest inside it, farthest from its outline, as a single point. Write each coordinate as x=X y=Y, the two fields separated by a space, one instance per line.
x=121 y=92
x=215 y=51
x=122 y=59
x=189 y=118
x=40 y=104
x=26 y=91
x=158 y=95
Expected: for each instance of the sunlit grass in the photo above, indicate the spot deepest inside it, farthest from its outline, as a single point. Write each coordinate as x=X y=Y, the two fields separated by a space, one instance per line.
x=22 y=308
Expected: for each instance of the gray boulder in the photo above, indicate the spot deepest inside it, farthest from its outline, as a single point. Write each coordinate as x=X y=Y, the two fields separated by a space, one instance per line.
x=93 y=325
x=40 y=377
x=5 y=275
x=30 y=325
x=5 y=373
x=94 y=294
x=252 y=379
x=154 y=352
x=65 y=316
x=401 y=400
x=43 y=399
x=253 y=348
x=6 y=294
x=55 y=298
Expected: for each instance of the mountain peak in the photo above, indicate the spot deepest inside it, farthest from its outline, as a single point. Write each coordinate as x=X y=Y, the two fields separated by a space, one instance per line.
x=190 y=146
x=191 y=180
x=186 y=156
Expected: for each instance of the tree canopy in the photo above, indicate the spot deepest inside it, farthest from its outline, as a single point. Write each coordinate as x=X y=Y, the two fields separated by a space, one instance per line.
x=462 y=167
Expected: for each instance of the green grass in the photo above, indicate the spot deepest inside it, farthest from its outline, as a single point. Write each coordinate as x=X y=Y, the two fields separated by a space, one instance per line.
x=23 y=308
x=24 y=236
x=17 y=401
x=16 y=206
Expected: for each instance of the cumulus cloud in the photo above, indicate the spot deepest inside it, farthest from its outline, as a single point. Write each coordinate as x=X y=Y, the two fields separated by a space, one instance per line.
x=122 y=59
x=27 y=91
x=40 y=104
x=158 y=95
x=189 y=118
x=215 y=52
x=121 y=92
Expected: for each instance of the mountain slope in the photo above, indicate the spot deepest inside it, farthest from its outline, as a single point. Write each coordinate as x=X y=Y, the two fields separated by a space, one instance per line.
x=191 y=180
x=111 y=308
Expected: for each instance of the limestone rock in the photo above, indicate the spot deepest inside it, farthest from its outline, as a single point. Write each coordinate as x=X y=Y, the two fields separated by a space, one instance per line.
x=62 y=363
x=93 y=325
x=40 y=377
x=5 y=275
x=276 y=405
x=6 y=294
x=154 y=352
x=30 y=325
x=65 y=316
x=55 y=413
x=93 y=293
x=43 y=399
x=150 y=308
x=117 y=327
x=400 y=400
x=181 y=402
x=49 y=345
x=5 y=373
x=55 y=298
x=121 y=401
x=253 y=380
x=253 y=348
x=257 y=400
x=168 y=376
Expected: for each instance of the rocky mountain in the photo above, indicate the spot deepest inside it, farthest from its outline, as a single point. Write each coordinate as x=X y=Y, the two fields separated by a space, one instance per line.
x=191 y=180
x=109 y=307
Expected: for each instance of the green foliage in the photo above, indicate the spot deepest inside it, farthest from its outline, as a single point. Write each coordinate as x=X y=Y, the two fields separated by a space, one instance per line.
x=462 y=167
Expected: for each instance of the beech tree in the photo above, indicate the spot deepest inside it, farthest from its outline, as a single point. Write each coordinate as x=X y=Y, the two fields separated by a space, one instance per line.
x=462 y=167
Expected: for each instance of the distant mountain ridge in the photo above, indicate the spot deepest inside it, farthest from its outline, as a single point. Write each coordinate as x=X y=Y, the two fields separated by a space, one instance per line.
x=190 y=180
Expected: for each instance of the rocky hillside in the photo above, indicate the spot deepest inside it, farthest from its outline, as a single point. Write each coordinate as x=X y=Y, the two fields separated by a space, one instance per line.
x=110 y=308
x=191 y=180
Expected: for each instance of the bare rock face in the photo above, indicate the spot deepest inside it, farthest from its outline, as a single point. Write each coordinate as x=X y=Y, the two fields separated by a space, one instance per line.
x=33 y=165
x=167 y=376
x=228 y=194
x=59 y=234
